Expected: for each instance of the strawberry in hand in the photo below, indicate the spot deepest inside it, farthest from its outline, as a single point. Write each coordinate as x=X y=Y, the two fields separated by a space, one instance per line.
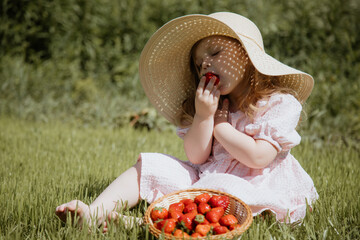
x=209 y=75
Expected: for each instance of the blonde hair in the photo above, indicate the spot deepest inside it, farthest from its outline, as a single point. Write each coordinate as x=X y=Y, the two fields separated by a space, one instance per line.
x=256 y=86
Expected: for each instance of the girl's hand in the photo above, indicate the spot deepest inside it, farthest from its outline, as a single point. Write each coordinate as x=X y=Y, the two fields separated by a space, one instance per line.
x=207 y=98
x=222 y=114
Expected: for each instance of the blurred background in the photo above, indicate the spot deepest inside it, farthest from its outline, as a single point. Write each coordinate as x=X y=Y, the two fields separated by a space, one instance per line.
x=76 y=61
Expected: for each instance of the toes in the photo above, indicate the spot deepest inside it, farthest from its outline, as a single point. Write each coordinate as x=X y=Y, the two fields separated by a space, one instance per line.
x=60 y=208
x=105 y=227
x=72 y=205
x=113 y=216
x=75 y=207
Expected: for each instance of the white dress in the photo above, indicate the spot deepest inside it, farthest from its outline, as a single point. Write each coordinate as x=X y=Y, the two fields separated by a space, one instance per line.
x=282 y=187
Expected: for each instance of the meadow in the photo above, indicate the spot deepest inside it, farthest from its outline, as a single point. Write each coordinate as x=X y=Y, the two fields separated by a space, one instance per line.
x=73 y=114
x=44 y=165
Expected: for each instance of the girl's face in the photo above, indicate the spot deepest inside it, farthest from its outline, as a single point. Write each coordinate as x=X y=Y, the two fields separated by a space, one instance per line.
x=223 y=56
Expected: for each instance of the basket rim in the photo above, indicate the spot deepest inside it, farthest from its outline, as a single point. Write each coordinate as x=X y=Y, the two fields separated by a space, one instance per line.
x=236 y=232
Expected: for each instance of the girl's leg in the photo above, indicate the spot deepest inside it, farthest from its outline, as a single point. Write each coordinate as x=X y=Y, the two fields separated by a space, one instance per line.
x=125 y=188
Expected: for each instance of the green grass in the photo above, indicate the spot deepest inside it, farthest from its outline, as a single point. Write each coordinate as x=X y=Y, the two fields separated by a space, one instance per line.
x=45 y=164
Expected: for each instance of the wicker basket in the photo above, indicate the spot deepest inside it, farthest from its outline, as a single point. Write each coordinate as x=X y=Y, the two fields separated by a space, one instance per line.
x=236 y=207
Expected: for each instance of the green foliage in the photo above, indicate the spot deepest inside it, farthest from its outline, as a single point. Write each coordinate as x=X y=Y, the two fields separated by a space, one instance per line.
x=84 y=90
x=77 y=60
x=44 y=165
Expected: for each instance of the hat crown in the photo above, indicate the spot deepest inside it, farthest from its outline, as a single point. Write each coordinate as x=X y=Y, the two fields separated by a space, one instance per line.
x=242 y=26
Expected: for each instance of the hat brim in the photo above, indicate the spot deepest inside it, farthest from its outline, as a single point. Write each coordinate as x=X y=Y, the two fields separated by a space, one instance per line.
x=164 y=65
x=299 y=81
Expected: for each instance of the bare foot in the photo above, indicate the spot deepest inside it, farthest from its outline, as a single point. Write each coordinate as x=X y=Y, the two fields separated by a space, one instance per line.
x=75 y=208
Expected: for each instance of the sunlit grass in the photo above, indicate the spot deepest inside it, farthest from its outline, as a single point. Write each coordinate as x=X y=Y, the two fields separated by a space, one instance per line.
x=43 y=165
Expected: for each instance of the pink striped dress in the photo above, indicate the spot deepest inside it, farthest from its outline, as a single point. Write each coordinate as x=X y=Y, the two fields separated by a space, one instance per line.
x=283 y=187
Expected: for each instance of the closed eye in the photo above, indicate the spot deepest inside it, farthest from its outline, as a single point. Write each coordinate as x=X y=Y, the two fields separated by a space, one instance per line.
x=216 y=53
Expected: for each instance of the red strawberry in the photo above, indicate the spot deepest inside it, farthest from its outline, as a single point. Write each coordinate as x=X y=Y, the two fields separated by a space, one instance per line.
x=203 y=208
x=180 y=233
x=187 y=201
x=190 y=207
x=195 y=235
x=175 y=214
x=220 y=210
x=202 y=198
x=205 y=222
x=203 y=229
x=167 y=225
x=215 y=214
x=228 y=220
x=219 y=201
x=220 y=230
x=234 y=226
x=159 y=213
x=215 y=224
x=209 y=75
x=186 y=220
x=179 y=206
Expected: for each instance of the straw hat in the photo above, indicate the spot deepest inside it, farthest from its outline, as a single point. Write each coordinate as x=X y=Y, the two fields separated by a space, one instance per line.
x=164 y=66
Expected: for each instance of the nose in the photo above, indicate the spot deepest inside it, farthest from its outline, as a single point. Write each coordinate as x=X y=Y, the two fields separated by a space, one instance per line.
x=205 y=64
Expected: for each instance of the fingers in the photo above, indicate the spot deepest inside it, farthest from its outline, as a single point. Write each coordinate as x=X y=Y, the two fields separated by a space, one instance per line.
x=105 y=227
x=207 y=98
x=74 y=207
x=216 y=94
x=202 y=83
x=208 y=93
x=61 y=212
x=209 y=87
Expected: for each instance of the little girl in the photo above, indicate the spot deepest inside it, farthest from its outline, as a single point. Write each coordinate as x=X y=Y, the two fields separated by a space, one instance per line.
x=237 y=133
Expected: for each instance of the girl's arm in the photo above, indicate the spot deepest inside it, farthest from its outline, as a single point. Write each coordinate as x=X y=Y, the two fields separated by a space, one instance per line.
x=253 y=153
x=198 y=140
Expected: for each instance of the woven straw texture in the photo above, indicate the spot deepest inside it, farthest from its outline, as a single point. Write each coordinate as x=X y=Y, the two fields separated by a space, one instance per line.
x=236 y=207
